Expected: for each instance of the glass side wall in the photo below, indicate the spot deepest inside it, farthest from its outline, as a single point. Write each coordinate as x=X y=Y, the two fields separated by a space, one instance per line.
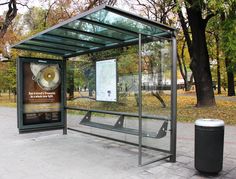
x=81 y=91
x=156 y=98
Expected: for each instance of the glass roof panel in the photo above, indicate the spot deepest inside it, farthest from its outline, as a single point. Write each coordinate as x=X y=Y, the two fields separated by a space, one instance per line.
x=116 y=20
x=101 y=28
x=62 y=39
x=89 y=27
x=52 y=45
x=78 y=36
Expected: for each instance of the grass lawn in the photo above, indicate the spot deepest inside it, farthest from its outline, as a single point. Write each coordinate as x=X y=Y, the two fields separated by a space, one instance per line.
x=6 y=100
x=186 y=112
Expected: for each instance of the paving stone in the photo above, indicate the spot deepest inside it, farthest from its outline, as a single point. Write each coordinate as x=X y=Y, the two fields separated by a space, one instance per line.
x=213 y=177
x=144 y=175
x=197 y=177
x=228 y=166
x=158 y=169
x=163 y=172
x=173 y=166
x=168 y=176
x=190 y=165
x=231 y=174
x=184 y=159
x=185 y=172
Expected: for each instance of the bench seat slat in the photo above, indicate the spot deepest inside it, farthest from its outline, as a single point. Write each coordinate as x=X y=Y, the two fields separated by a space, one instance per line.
x=120 y=129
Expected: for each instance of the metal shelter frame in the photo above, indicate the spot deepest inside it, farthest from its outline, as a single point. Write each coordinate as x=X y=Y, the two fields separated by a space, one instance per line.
x=100 y=29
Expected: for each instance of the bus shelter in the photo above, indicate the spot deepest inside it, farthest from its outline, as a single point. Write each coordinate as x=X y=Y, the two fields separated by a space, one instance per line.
x=126 y=91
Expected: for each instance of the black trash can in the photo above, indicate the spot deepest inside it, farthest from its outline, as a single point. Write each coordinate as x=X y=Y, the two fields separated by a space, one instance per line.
x=209 y=144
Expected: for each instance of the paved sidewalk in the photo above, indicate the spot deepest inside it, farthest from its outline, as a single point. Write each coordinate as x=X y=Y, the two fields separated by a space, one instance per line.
x=51 y=155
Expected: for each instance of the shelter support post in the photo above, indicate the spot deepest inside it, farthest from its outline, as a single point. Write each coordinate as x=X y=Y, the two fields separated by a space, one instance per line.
x=140 y=98
x=64 y=98
x=173 y=100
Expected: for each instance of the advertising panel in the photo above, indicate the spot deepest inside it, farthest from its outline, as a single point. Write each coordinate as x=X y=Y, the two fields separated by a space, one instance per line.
x=106 y=80
x=41 y=91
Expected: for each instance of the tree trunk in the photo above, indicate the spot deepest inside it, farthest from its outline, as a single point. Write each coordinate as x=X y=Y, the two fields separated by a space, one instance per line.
x=71 y=87
x=230 y=78
x=158 y=96
x=183 y=74
x=90 y=92
x=218 y=65
x=71 y=81
x=200 y=60
x=230 y=75
x=10 y=15
x=183 y=69
x=9 y=93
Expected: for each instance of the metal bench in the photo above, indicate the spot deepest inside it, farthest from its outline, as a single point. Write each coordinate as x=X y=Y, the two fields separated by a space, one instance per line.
x=119 y=125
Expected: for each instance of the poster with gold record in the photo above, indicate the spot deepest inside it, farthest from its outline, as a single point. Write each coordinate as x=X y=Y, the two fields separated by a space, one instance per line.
x=41 y=93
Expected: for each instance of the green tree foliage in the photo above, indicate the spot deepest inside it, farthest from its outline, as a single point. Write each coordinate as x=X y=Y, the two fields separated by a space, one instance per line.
x=33 y=20
x=228 y=41
x=215 y=54
x=228 y=35
x=8 y=77
x=221 y=44
x=199 y=14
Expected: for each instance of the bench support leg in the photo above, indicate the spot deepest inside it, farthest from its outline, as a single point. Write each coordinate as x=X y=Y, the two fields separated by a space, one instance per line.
x=162 y=132
x=86 y=118
x=120 y=122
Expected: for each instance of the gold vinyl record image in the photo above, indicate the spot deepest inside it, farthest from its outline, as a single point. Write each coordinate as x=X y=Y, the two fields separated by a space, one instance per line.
x=47 y=76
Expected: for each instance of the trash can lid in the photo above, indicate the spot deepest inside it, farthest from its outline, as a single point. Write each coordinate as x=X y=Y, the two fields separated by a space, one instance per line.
x=209 y=122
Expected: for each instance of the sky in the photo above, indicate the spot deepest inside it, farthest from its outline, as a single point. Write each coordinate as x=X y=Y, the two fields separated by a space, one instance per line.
x=22 y=9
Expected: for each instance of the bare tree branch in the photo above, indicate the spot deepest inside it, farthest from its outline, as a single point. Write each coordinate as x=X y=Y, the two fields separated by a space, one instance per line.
x=158 y=96
x=25 y=5
x=208 y=17
x=5 y=3
x=185 y=30
x=11 y=14
x=47 y=13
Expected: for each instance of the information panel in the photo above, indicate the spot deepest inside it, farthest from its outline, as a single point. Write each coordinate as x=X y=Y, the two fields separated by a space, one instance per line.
x=106 y=80
x=40 y=91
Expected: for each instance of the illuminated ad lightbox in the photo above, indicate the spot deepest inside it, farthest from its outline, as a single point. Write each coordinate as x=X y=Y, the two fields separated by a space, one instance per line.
x=40 y=90
x=106 y=80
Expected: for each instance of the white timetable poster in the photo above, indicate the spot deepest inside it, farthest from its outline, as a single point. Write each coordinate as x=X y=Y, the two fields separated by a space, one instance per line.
x=106 y=80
